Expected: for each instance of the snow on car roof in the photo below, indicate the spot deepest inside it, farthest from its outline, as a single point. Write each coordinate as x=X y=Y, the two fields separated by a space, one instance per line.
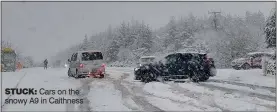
x=148 y=57
x=194 y=51
x=191 y=52
x=90 y=51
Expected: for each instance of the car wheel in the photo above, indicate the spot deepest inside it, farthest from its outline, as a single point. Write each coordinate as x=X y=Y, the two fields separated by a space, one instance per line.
x=76 y=75
x=195 y=76
x=246 y=66
x=137 y=78
x=237 y=68
x=204 y=78
x=68 y=73
x=102 y=76
x=146 y=77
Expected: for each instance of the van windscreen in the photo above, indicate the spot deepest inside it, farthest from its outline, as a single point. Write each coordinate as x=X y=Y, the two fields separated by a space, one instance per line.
x=88 y=56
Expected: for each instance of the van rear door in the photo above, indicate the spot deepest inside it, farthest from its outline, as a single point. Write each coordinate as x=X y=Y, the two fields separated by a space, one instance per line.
x=92 y=60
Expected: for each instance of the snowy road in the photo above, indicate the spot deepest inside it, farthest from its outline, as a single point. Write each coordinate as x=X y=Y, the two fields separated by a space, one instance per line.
x=245 y=90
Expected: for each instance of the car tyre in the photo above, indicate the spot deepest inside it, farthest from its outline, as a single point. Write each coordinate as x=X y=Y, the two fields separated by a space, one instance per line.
x=146 y=78
x=69 y=73
x=137 y=77
x=195 y=76
x=102 y=76
x=76 y=76
x=204 y=78
x=246 y=66
x=237 y=68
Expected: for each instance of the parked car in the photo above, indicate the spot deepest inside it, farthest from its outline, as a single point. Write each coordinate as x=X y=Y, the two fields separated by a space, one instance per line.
x=196 y=66
x=85 y=64
x=142 y=61
x=251 y=60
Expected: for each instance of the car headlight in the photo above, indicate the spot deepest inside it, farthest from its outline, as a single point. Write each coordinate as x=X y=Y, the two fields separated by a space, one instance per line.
x=140 y=64
x=136 y=69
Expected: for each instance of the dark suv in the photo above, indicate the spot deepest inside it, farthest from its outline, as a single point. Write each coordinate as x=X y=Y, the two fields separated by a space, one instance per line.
x=196 y=66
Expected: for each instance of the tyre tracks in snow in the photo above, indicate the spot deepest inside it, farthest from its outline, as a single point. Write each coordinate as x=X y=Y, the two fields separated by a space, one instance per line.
x=230 y=90
x=21 y=78
x=271 y=89
x=139 y=89
x=84 y=90
x=197 y=95
x=139 y=100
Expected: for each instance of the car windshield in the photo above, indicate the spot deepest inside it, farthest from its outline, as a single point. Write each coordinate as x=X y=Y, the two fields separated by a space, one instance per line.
x=88 y=56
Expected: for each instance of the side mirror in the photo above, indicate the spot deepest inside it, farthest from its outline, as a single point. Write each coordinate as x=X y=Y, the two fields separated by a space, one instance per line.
x=69 y=60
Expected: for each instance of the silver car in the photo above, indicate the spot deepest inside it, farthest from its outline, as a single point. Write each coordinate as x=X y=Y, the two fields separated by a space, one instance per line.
x=86 y=64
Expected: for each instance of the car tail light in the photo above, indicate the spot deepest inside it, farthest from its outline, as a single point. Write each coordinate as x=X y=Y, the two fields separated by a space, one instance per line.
x=82 y=65
x=103 y=65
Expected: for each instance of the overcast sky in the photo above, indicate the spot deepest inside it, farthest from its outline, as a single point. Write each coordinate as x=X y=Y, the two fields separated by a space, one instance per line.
x=41 y=29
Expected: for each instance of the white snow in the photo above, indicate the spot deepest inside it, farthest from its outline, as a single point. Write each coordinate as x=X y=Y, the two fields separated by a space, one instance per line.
x=163 y=91
x=242 y=88
x=51 y=79
x=130 y=103
x=168 y=105
x=231 y=101
x=104 y=97
x=253 y=76
x=10 y=80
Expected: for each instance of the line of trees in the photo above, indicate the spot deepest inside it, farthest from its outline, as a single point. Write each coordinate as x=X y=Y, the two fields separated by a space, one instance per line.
x=235 y=36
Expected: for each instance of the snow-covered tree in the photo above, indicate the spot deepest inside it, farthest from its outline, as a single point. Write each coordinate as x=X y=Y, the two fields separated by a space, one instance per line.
x=85 y=44
x=171 y=32
x=112 y=51
x=28 y=62
x=270 y=30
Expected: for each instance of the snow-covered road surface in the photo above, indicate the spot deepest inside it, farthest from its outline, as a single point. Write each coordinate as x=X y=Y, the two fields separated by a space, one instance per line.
x=244 y=90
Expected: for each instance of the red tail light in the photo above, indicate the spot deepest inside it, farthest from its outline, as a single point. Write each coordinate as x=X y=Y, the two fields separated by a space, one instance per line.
x=82 y=65
x=103 y=65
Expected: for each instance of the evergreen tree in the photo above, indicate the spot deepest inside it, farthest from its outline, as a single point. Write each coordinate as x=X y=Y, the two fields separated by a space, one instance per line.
x=270 y=31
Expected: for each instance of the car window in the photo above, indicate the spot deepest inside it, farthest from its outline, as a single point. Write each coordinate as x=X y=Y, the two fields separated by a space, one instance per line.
x=88 y=56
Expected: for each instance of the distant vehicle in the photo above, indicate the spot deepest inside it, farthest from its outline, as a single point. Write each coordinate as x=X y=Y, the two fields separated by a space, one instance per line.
x=196 y=66
x=142 y=61
x=8 y=60
x=85 y=64
x=251 y=60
